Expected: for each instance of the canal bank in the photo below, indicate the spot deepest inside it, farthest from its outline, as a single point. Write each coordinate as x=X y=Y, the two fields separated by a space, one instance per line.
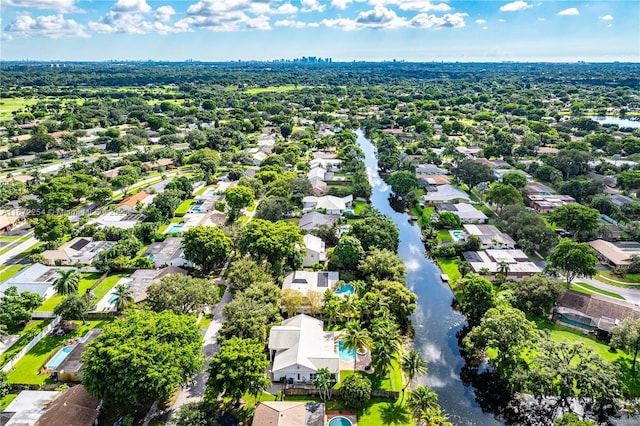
x=435 y=322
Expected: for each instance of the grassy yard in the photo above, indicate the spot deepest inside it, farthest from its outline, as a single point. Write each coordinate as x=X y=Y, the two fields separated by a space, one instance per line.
x=589 y=289
x=628 y=280
x=107 y=284
x=205 y=321
x=444 y=235
x=450 y=268
x=9 y=271
x=28 y=332
x=26 y=370
x=358 y=207
x=16 y=241
x=6 y=400
x=184 y=207
x=9 y=105
x=85 y=283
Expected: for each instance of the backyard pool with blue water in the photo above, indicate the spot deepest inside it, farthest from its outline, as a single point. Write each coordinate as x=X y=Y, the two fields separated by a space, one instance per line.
x=346 y=354
x=59 y=357
x=345 y=289
x=340 y=421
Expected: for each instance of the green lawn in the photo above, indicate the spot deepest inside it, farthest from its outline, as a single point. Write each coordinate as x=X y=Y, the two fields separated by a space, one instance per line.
x=8 y=105
x=9 y=238
x=205 y=321
x=107 y=284
x=28 y=333
x=628 y=280
x=184 y=207
x=26 y=370
x=450 y=268
x=589 y=289
x=10 y=271
x=358 y=207
x=18 y=241
x=85 y=283
x=204 y=189
x=6 y=400
x=444 y=235
x=274 y=89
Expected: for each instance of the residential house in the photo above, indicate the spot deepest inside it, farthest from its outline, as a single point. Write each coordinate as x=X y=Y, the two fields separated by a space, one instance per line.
x=607 y=180
x=289 y=413
x=490 y=237
x=314 y=220
x=167 y=253
x=141 y=279
x=70 y=369
x=331 y=165
x=305 y=281
x=621 y=200
x=466 y=212
x=299 y=347
x=73 y=406
x=36 y=278
x=80 y=250
x=26 y=408
x=119 y=220
x=499 y=174
x=427 y=180
x=445 y=194
x=536 y=188
x=10 y=219
x=317 y=173
x=161 y=163
x=468 y=151
x=548 y=203
x=110 y=174
x=135 y=203
x=616 y=254
x=332 y=205
x=594 y=312
x=490 y=261
x=319 y=187
x=430 y=169
x=315 y=251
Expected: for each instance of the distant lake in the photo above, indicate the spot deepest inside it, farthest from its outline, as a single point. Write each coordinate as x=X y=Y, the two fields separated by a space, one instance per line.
x=621 y=122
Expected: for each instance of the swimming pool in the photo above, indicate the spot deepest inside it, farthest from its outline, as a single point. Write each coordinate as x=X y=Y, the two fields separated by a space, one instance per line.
x=174 y=229
x=344 y=290
x=340 y=421
x=59 y=357
x=210 y=192
x=346 y=354
x=196 y=208
x=113 y=299
x=457 y=235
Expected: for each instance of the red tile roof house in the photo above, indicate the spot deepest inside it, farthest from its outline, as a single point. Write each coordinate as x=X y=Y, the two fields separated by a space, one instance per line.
x=130 y=204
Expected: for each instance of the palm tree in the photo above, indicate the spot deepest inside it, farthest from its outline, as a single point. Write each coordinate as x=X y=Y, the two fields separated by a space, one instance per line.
x=503 y=271
x=355 y=338
x=322 y=382
x=67 y=283
x=124 y=297
x=382 y=355
x=422 y=399
x=412 y=365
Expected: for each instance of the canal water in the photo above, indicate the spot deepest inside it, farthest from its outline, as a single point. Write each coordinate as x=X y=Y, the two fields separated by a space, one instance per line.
x=435 y=322
x=621 y=122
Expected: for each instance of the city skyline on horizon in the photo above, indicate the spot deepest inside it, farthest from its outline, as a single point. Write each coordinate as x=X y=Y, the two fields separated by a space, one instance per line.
x=345 y=30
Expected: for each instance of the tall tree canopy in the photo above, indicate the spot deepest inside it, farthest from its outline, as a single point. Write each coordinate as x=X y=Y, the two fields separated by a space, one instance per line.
x=142 y=357
x=376 y=231
x=206 y=246
x=276 y=242
x=182 y=294
x=573 y=260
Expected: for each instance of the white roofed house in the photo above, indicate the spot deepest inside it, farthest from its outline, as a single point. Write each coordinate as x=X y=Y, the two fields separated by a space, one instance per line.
x=490 y=237
x=80 y=250
x=305 y=281
x=445 y=194
x=299 y=347
x=315 y=250
x=466 y=212
x=329 y=164
x=316 y=173
x=330 y=203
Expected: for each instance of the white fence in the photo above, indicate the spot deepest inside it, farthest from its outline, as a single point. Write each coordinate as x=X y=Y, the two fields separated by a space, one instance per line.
x=31 y=344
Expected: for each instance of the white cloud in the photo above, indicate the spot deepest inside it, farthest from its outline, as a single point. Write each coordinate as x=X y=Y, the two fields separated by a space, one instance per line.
x=164 y=13
x=130 y=17
x=311 y=6
x=541 y=19
x=131 y=6
x=449 y=20
x=515 y=6
x=417 y=5
x=52 y=26
x=607 y=18
x=572 y=11
x=501 y=20
x=259 y=23
x=286 y=9
x=290 y=23
x=480 y=21
x=378 y=18
x=59 y=5
x=340 y=4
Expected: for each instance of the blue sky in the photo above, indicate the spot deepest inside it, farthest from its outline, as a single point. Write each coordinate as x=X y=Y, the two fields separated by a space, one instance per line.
x=345 y=30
